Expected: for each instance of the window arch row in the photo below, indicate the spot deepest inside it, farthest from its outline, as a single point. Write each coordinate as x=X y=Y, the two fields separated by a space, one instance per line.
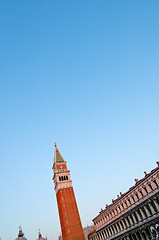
x=63 y=178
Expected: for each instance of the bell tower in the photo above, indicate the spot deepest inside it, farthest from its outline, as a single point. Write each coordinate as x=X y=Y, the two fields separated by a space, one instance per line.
x=70 y=221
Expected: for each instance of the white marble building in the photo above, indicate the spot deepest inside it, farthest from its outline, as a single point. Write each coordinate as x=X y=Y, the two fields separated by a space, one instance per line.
x=134 y=215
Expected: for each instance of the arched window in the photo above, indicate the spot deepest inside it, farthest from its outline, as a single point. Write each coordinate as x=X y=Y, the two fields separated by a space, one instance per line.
x=149 y=209
x=150 y=187
x=133 y=198
x=115 y=227
x=136 y=217
x=125 y=222
x=128 y=221
x=137 y=196
x=122 y=224
x=107 y=232
x=140 y=191
x=59 y=178
x=154 y=206
x=155 y=182
x=145 y=189
x=132 y=219
x=143 y=209
x=111 y=231
x=139 y=212
x=126 y=203
x=66 y=177
x=119 y=226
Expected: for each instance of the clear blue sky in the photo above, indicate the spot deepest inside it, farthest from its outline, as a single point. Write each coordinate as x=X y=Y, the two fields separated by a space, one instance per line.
x=86 y=75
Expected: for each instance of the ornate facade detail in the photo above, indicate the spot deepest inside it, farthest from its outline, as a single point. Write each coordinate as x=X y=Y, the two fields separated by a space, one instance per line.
x=134 y=215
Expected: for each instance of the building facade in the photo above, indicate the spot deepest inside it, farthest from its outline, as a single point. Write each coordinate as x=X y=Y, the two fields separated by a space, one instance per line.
x=134 y=215
x=70 y=221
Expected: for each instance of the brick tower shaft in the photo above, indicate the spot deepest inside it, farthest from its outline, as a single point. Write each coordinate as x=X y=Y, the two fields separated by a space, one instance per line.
x=70 y=221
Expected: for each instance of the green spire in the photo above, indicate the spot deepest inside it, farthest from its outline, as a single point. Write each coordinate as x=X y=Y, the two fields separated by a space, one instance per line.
x=58 y=157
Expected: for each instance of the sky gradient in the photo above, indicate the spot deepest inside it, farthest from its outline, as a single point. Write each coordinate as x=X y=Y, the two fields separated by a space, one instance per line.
x=83 y=74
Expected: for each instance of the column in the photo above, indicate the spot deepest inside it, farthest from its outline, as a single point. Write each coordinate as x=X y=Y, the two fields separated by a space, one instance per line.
x=138 y=216
x=128 y=203
x=153 y=185
x=147 y=212
x=106 y=234
x=121 y=207
x=156 y=204
x=114 y=228
x=152 y=209
x=111 y=228
x=103 y=235
x=109 y=232
x=121 y=228
x=116 y=211
x=108 y=218
x=131 y=222
x=125 y=205
x=127 y=223
x=145 y=191
x=140 y=195
x=142 y=213
x=117 y=227
x=135 y=198
x=99 y=236
x=134 y=218
x=112 y=214
x=123 y=224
